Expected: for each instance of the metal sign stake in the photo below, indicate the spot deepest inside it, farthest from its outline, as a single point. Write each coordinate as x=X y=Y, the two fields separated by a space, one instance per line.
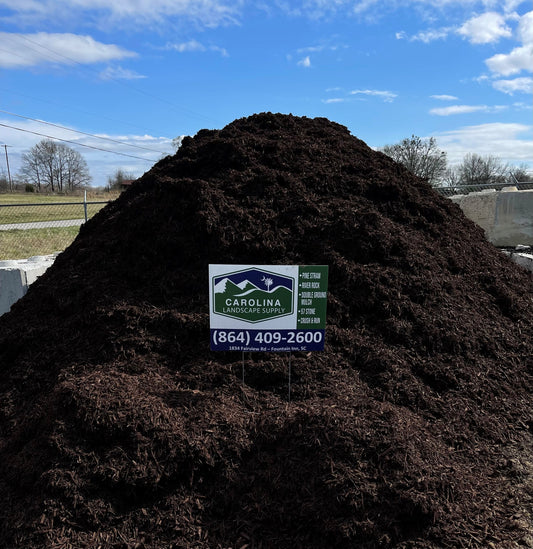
x=290 y=356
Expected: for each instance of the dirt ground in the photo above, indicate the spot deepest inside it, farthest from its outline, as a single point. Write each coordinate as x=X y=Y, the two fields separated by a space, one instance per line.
x=119 y=428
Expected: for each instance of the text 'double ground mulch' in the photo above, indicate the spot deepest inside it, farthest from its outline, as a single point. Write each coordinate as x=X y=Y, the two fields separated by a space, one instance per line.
x=119 y=428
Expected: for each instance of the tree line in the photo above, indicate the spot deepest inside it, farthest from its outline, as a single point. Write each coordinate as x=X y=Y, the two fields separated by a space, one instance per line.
x=54 y=167
x=424 y=158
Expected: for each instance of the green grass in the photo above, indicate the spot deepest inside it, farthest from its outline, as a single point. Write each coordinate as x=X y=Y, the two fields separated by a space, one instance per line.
x=26 y=213
x=22 y=244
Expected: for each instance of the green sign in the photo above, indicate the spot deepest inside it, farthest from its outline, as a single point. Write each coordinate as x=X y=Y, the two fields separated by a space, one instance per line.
x=312 y=296
x=268 y=307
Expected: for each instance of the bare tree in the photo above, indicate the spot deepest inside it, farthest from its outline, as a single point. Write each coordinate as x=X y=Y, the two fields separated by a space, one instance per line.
x=520 y=174
x=482 y=170
x=4 y=183
x=75 y=170
x=38 y=166
x=55 y=167
x=420 y=156
x=451 y=178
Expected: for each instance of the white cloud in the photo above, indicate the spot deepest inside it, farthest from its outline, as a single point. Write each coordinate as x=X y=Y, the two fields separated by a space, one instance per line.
x=311 y=49
x=520 y=58
x=194 y=45
x=485 y=29
x=466 y=109
x=126 y=12
x=426 y=36
x=519 y=105
x=371 y=9
x=511 y=142
x=334 y=100
x=27 y=50
x=507 y=64
x=305 y=62
x=511 y=5
x=222 y=51
x=320 y=48
x=445 y=97
x=191 y=45
x=362 y=6
x=457 y=109
x=525 y=28
x=517 y=85
x=120 y=73
x=387 y=96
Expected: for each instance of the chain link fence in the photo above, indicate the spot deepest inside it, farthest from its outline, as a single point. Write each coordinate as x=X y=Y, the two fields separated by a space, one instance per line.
x=454 y=190
x=30 y=229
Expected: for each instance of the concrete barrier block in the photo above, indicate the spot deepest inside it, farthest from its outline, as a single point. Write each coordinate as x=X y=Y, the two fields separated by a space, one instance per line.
x=506 y=216
x=513 y=219
x=17 y=275
x=36 y=266
x=525 y=260
x=479 y=207
x=12 y=287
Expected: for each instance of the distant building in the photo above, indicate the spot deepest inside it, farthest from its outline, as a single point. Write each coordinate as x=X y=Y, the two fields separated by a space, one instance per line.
x=125 y=183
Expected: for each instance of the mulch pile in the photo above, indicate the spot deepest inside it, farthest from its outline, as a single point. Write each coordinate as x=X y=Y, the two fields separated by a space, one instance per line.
x=119 y=428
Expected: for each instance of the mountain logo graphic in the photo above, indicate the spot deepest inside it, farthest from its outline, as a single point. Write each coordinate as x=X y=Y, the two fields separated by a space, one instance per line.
x=253 y=295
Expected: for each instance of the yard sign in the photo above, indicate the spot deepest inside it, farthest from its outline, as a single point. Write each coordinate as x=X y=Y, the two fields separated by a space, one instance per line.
x=267 y=307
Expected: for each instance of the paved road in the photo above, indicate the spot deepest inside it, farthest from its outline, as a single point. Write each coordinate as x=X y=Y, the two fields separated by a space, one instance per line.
x=42 y=224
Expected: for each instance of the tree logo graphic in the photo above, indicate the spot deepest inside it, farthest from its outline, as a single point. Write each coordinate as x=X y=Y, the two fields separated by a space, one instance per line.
x=253 y=295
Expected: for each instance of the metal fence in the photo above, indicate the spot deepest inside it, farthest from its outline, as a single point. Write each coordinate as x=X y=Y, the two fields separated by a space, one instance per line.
x=453 y=190
x=29 y=229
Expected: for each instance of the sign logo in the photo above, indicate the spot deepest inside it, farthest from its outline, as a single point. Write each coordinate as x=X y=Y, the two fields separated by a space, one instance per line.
x=253 y=295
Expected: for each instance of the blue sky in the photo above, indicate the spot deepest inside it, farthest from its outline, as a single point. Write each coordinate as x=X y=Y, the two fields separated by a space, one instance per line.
x=128 y=76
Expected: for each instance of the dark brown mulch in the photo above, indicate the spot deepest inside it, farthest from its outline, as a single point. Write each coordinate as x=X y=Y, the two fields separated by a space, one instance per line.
x=120 y=429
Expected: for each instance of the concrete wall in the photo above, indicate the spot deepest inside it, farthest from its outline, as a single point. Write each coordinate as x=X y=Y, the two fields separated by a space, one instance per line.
x=506 y=215
x=16 y=276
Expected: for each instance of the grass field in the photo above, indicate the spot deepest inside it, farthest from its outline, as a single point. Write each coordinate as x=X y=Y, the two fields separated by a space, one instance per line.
x=21 y=244
x=25 y=208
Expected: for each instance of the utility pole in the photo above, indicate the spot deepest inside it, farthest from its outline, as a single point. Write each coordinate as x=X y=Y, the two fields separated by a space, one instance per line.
x=8 y=172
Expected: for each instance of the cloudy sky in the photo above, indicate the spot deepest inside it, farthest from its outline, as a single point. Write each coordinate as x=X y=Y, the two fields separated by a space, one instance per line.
x=118 y=80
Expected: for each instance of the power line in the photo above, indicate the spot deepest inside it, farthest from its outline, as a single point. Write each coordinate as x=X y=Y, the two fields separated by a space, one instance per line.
x=70 y=59
x=18 y=94
x=75 y=143
x=80 y=132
